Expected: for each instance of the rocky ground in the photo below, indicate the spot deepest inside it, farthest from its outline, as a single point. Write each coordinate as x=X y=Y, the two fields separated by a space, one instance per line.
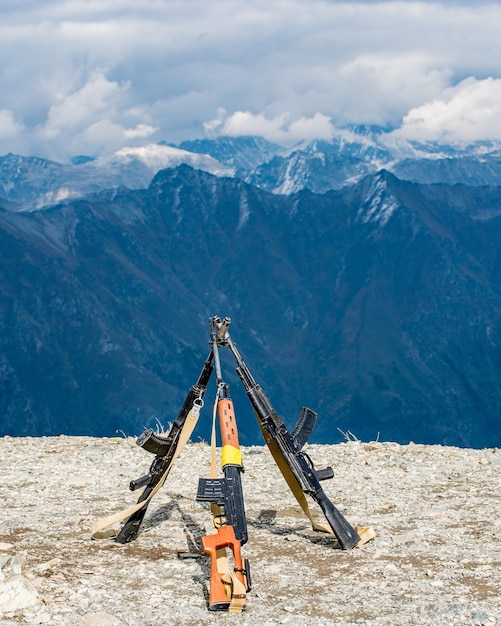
x=436 y=558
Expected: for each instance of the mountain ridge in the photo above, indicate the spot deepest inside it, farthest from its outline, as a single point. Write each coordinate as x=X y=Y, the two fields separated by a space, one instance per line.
x=32 y=183
x=376 y=304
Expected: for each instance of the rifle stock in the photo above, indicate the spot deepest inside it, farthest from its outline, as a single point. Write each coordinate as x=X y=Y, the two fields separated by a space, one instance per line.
x=223 y=589
x=347 y=536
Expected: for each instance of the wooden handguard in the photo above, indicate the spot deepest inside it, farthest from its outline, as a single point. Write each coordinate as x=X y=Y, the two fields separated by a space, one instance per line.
x=231 y=454
x=221 y=590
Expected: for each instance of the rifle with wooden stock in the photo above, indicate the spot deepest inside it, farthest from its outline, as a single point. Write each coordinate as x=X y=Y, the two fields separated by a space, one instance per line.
x=229 y=577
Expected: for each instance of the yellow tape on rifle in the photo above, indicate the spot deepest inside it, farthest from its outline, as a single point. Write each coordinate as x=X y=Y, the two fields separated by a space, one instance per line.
x=231 y=455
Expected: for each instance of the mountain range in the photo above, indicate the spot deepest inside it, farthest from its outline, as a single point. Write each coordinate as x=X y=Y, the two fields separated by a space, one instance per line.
x=31 y=183
x=362 y=279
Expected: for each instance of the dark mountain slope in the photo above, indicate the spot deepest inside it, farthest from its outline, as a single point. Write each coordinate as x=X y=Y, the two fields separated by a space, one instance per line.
x=377 y=305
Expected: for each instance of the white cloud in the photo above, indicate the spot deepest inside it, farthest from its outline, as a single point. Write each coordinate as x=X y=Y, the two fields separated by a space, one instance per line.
x=91 y=116
x=9 y=127
x=286 y=70
x=317 y=127
x=141 y=131
x=277 y=129
x=80 y=108
x=105 y=137
x=388 y=86
x=470 y=111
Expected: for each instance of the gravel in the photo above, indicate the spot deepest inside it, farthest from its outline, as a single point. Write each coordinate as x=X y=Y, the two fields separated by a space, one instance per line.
x=436 y=557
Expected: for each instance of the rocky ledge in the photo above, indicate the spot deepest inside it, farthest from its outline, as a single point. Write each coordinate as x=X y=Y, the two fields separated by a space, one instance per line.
x=436 y=557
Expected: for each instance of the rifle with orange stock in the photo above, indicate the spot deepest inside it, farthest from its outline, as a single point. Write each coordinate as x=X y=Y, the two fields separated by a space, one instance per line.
x=228 y=584
x=295 y=465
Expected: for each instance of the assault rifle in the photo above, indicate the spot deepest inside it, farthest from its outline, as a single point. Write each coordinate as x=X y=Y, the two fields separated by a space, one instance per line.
x=164 y=447
x=228 y=586
x=286 y=448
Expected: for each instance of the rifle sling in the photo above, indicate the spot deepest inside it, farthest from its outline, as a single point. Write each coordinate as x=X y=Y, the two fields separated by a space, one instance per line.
x=101 y=528
x=291 y=480
x=366 y=533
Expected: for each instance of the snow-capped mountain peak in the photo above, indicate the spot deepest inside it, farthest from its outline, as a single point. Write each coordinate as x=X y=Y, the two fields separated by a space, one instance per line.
x=34 y=183
x=158 y=156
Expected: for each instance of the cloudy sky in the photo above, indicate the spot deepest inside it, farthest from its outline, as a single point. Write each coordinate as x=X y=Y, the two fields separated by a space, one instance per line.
x=91 y=76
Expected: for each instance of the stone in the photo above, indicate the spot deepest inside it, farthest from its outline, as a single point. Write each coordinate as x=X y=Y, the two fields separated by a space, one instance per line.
x=16 y=593
x=99 y=619
x=434 y=559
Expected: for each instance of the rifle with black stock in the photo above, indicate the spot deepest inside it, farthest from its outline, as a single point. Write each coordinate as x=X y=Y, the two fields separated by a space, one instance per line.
x=165 y=448
x=228 y=584
x=295 y=465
